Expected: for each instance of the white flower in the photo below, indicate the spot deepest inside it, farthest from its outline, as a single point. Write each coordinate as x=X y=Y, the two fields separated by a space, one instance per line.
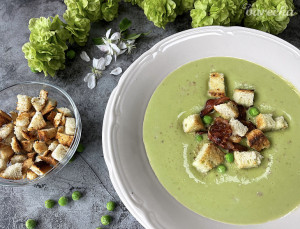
x=116 y=71
x=98 y=67
x=110 y=46
x=108 y=59
x=130 y=45
x=84 y=56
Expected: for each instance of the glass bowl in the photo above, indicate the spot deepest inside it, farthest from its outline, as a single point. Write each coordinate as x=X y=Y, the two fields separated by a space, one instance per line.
x=8 y=101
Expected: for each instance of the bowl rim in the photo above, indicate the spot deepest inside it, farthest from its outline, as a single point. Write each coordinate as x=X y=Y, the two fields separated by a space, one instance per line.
x=72 y=148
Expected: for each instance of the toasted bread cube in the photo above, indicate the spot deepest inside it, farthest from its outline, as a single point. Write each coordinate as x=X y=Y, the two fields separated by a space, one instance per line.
x=71 y=126
x=37 y=122
x=4 y=118
x=47 y=134
x=265 y=122
x=65 y=111
x=61 y=129
x=64 y=139
x=227 y=110
x=19 y=132
x=44 y=94
x=280 y=123
x=6 y=130
x=6 y=152
x=40 y=168
x=13 y=172
x=57 y=119
x=24 y=103
x=60 y=152
x=38 y=103
x=13 y=115
x=193 y=123
x=27 y=145
x=247 y=159
x=50 y=160
x=235 y=139
x=40 y=147
x=216 y=85
x=31 y=155
x=3 y=164
x=27 y=164
x=15 y=145
x=244 y=97
x=53 y=146
x=209 y=157
x=18 y=159
x=31 y=175
x=51 y=116
x=238 y=128
x=8 y=139
x=257 y=140
x=29 y=135
x=50 y=105
x=23 y=119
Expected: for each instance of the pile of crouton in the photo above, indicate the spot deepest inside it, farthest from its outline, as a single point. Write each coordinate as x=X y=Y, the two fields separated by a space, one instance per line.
x=210 y=155
x=35 y=138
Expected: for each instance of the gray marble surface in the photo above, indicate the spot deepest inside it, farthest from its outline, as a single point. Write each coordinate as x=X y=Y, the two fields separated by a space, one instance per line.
x=88 y=173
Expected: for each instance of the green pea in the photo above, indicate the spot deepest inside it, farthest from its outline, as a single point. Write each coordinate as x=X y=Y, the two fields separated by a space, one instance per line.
x=49 y=203
x=229 y=157
x=221 y=169
x=80 y=148
x=207 y=119
x=33 y=70
x=30 y=224
x=76 y=195
x=106 y=219
x=63 y=201
x=111 y=206
x=253 y=111
x=199 y=137
x=71 y=54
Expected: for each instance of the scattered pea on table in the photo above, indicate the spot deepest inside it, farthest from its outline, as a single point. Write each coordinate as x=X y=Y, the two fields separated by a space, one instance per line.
x=106 y=219
x=76 y=195
x=111 y=206
x=63 y=201
x=49 y=203
x=30 y=224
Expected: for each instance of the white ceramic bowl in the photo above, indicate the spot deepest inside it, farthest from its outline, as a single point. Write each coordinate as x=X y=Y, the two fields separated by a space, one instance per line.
x=123 y=147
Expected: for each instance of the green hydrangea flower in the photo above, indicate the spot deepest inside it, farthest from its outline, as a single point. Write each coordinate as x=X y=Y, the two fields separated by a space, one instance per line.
x=271 y=16
x=218 y=12
x=110 y=9
x=183 y=6
x=135 y=2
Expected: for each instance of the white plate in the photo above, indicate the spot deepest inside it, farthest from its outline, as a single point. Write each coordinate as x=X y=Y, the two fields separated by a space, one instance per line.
x=123 y=147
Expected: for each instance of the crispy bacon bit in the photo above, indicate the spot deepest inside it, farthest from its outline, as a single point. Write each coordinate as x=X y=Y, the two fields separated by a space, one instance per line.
x=220 y=132
x=209 y=106
x=242 y=112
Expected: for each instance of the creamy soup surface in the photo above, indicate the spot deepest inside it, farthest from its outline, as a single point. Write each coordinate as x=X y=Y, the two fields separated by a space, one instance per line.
x=247 y=196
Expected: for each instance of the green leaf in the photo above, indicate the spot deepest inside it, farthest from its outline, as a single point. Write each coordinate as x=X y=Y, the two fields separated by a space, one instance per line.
x=124 y=24
x=98 y=41
x=135 y=36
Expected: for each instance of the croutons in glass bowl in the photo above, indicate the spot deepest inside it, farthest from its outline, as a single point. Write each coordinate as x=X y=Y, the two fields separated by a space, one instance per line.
x=40 y=129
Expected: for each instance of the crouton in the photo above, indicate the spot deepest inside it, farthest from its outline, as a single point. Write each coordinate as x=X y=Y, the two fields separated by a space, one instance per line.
x=31 y=175
x=18 y=132
x=24 y=103
x=23 y=119
x=65 y=111
x=13 y=172
x=49 y=125
x=235 y=139
x=265 y=122
x=40 y=147
x=247 y=159
x=50 y=105
x=64 y=139
x=61 y=129
x=257 y=140
x=6 y=130
x=244 y=97
x=44 y=94
x=216 y=85
x=6 y=152
x=13 y=115
x=53 y=146
x=31 y=155
x=280 y=123
x=29 y=135
x=4 y=118
x=27 y=145
x=57 y=119
x=27 y=164
x=15 y=145
x=192 y=123
x=227 y=110
x=238 y=129
x=38 y=103
x=37 y=122
x=51 y=116
x=71 y=126
x=3 y=164
x=209 y=157
x=8 y=139
x=40 y=168
x=18 y=159
x=60 y=152
x=47 y=134
x=50 y=160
